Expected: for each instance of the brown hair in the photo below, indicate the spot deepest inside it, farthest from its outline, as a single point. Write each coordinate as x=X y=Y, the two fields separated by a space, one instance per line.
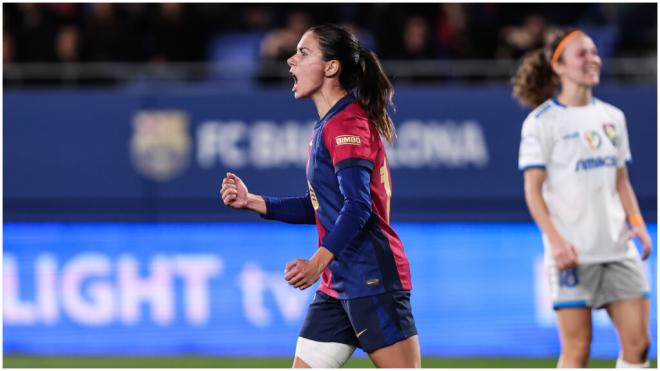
x=361 y=73
x=535 y=81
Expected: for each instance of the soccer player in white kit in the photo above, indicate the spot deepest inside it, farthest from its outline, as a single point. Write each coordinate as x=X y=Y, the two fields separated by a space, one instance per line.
x=574 y=152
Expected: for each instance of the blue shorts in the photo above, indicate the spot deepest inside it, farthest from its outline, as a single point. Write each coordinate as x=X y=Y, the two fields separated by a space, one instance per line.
x=369 y=322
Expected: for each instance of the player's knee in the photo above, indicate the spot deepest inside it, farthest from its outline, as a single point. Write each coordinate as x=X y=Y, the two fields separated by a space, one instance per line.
x=637 y=346
x=319 y=354
x=577 y=350
x=572 y=359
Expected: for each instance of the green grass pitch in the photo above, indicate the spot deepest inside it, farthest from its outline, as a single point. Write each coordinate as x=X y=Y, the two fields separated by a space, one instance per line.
x=27 y=361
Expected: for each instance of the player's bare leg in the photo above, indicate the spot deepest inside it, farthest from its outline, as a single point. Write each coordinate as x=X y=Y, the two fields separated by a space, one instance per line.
x=575 y=336
x=630 y=317
x=404 y=354
x=299 y=363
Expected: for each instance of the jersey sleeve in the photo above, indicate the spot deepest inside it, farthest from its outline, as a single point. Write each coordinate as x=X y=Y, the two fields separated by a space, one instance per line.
x=295 y=210
x=355 y=211
x=534 y=152
x=349 y=142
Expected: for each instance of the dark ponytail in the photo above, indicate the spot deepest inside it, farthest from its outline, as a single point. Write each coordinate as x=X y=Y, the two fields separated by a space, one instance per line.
x=374 y=91
x=535 y=81
x=361 y=73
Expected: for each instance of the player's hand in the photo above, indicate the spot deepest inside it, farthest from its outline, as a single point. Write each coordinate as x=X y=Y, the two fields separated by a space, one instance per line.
x=563 y=253
x=640 y=232
x=233 y=192
x=302 y=273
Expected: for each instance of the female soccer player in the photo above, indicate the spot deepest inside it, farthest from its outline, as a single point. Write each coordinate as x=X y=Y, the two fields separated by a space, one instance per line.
x=364 y=297
x=574 y=150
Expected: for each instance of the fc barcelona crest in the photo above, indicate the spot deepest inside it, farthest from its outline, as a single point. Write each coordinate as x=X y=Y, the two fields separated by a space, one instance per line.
x=160 y=145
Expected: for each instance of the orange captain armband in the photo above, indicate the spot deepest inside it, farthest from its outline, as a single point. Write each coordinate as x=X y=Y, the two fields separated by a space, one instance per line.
x=635 y=220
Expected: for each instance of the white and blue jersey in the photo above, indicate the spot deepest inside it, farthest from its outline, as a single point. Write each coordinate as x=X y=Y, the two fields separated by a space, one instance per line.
x=580 y=149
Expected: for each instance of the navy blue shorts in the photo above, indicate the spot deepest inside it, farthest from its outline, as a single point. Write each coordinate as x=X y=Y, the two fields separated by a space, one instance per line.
x=369 y=322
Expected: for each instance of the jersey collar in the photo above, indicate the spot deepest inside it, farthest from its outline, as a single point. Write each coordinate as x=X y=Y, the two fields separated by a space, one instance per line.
x=557 y=102
x=340 y=105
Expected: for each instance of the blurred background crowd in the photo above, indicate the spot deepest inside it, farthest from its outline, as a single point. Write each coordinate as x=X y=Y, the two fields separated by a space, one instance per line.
x=256 y=35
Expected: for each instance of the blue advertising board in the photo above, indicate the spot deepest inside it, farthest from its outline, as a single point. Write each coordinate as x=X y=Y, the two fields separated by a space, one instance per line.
x=160 y=153
x=479 y=289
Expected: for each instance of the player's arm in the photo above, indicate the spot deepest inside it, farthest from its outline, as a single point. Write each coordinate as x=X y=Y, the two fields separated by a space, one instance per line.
x=631 y=207
x=563 y=251
x=353 y=152
x=355 y=212
x=234 y=193
x=354 y=185
x=296 y=210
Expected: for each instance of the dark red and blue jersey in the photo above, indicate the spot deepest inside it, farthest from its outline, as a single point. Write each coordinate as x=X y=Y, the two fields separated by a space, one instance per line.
x=349 y=201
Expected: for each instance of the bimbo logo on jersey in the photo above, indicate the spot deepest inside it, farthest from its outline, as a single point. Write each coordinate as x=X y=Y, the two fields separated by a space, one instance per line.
x=347 y=139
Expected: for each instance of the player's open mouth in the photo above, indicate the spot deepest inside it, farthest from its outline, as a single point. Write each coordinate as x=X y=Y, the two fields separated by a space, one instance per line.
x=295 y=82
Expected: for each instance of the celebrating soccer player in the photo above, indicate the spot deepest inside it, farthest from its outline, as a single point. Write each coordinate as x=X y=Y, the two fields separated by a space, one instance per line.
x=364 y=297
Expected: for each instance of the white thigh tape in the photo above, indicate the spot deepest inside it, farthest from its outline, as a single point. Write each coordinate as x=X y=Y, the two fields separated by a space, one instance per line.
x=319 y=354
